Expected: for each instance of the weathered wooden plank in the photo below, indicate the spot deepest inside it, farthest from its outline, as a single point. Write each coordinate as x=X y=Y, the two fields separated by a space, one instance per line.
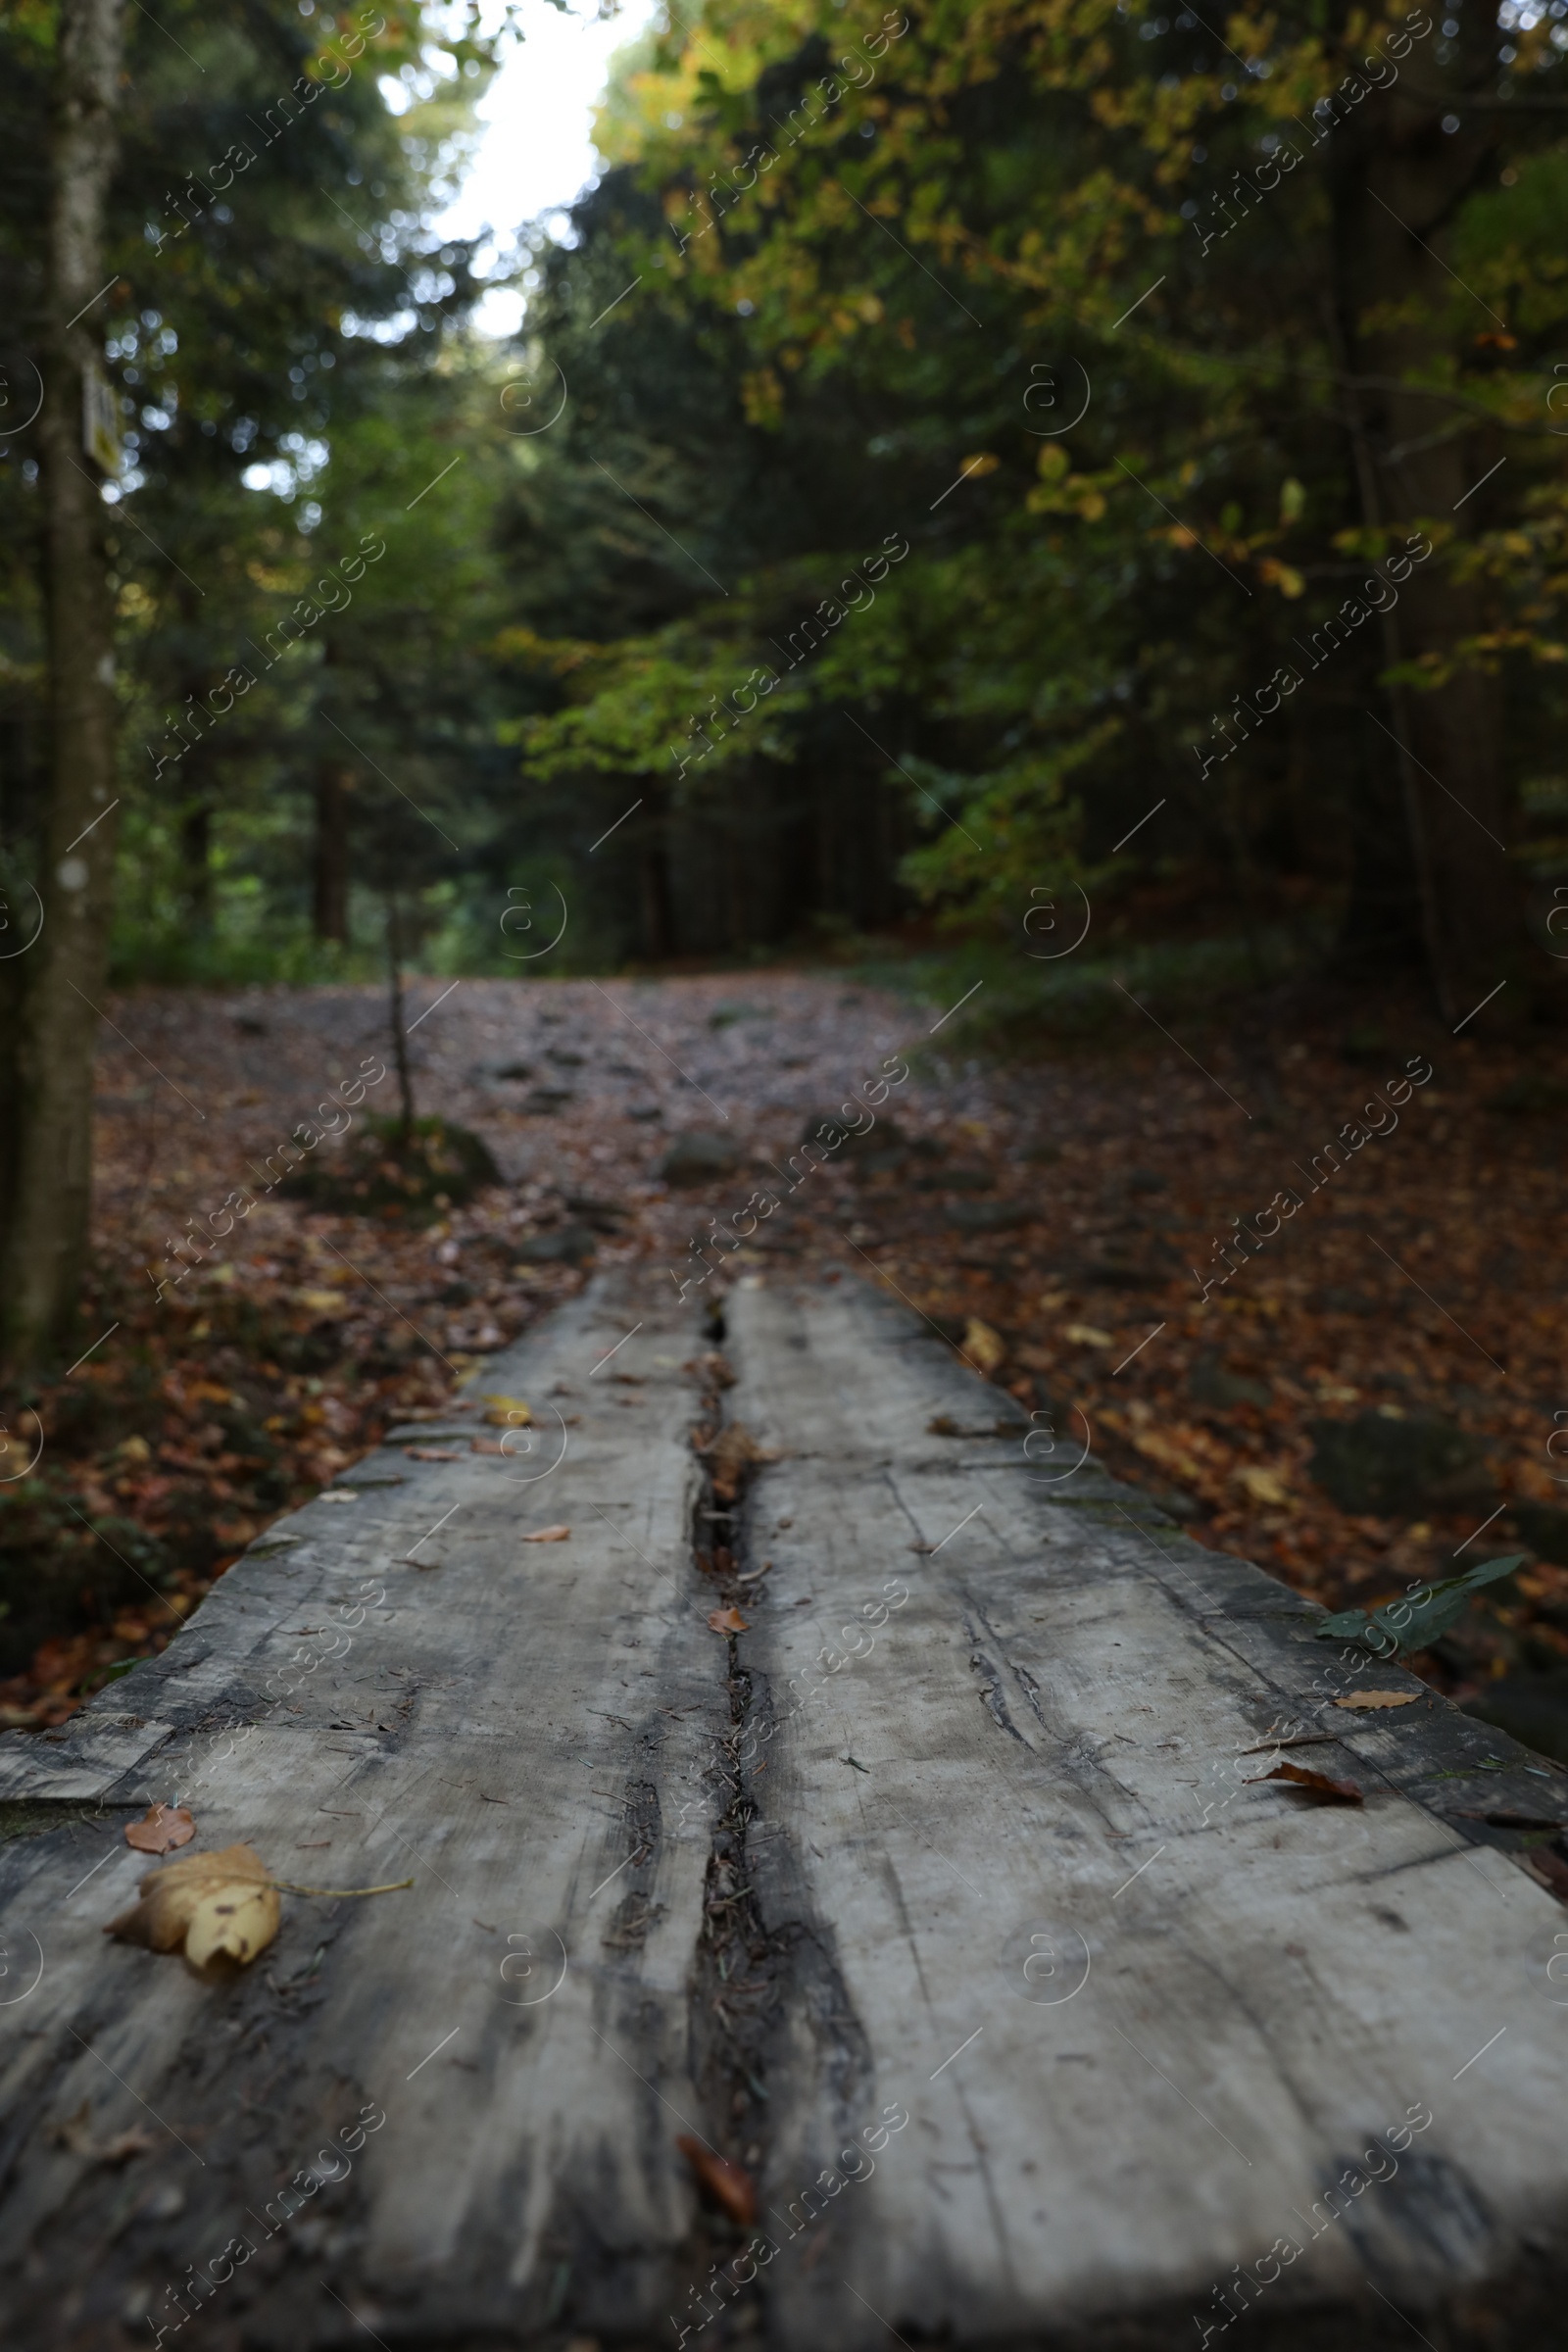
x=518 y=1730
x=86 y=1761
x=1234 y=1989
x=780 y=1903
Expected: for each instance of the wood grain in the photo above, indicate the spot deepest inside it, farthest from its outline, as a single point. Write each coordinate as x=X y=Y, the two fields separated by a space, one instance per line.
x=1048 y=1734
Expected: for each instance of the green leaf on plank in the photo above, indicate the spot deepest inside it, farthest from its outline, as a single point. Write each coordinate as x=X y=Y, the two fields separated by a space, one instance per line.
x=1416 y=1622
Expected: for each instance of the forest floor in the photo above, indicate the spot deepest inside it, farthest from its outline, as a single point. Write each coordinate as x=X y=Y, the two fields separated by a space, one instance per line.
x=1046 y=1216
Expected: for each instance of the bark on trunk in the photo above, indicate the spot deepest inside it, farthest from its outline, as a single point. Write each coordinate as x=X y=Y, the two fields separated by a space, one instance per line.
x=1397 y=201
x=329 y=907
x=658 y=901
x=399 y=1035
x=196 y=864
x=46 y=1224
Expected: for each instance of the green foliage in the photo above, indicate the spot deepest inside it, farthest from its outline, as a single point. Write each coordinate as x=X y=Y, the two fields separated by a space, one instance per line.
x=958 y=430
x=285 y=338
x=967 y=277
x=1413 y=1625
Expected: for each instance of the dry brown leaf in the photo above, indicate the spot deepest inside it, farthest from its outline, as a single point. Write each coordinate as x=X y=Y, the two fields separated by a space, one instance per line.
x=206 y=1904
x=161 y=1829
x=1263 y=1486
x=1379 y=1698
x=75 y=2134
x=731 y=1454
x=548 y=1535
x=508 y=1413
x=983 y=1345
x=1317 y=1785
x=432 y=1454
x=730 y=2189
x=1549 y=1869
x=728 y=1621
x=487 y=1446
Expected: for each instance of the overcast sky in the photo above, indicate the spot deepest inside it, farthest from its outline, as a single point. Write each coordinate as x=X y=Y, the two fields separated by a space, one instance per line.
x=536 y=152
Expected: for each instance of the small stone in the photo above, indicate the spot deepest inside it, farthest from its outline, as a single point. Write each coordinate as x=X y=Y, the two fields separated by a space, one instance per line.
x=567 y=1246
x=1211 y=1384
x=697 y=1156
x=1393 y=1467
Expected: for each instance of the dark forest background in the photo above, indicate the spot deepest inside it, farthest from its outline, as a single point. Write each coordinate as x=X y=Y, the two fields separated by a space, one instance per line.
x=954 y=459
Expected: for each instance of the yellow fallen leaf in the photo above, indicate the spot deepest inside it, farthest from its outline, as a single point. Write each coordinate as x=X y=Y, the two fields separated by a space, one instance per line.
x=238 y=1920
x=548 y=1535
x=508 y=1413
x=1084 y=1335
x=1379 y=1698
x=323 y=1302
x=986 y=1347
x=205 y=1904
x=1263 y=1486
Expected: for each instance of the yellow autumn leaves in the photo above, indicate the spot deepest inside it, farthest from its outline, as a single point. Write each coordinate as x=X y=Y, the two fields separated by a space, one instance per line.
x=206 y=1904
x=220 y=1906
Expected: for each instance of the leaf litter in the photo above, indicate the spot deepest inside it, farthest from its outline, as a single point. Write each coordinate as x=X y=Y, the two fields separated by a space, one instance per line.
x=1331 y=1327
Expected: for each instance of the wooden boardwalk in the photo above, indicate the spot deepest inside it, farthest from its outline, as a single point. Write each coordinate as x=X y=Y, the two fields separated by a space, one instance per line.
x=940 y=1900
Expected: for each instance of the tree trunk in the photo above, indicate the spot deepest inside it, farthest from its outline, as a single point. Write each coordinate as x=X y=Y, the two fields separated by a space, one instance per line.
x=1396 y=203
x=1382 y=931
x=399 y=1035
x=196 y=864
x=658 y=901
x=329 y=899
x=46 y=1224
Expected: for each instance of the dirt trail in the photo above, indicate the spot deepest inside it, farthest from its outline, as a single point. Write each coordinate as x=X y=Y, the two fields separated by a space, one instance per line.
x=1045 y=1220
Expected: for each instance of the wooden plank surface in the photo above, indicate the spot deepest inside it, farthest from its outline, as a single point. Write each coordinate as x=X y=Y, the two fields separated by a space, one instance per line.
x=506 y=1728
x=1234 y=1989
x=1029 y=2017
